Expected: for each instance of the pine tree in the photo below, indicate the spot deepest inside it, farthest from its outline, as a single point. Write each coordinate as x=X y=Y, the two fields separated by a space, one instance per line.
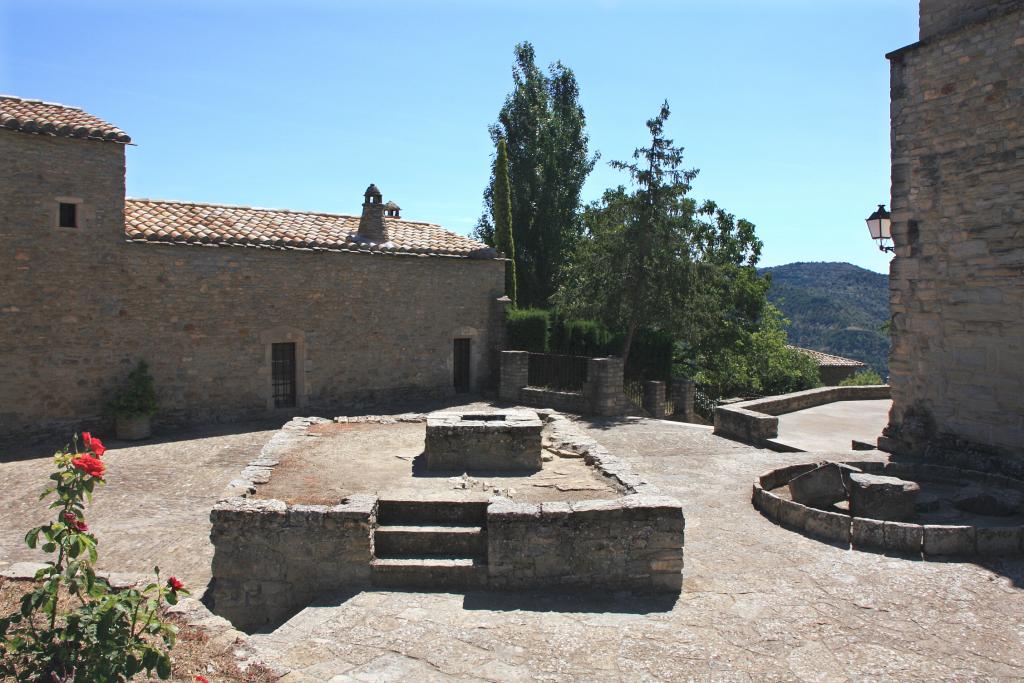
x=501 y=213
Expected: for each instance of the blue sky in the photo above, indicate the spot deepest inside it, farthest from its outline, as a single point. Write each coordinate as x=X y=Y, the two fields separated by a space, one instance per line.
x=783 y=106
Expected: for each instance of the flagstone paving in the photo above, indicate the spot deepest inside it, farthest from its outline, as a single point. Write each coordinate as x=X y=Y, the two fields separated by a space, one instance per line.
x=154 y=508
x=759 y=603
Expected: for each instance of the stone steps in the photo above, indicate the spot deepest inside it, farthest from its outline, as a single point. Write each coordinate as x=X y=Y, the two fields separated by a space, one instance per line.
x=434 y=543
x=430 y=541
x=432 y=511
x=434 y=573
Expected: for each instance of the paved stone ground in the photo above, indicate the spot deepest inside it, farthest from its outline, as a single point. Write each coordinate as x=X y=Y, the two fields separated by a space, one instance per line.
x=759 y=603
x=155 y=507
x=833 y=426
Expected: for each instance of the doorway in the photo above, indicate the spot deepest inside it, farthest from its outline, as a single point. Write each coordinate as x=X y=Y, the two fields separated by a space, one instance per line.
x=460 y=368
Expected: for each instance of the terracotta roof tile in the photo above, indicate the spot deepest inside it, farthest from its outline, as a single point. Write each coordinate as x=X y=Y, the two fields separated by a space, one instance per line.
x=48 y=118
x=170 y=222
x=827 y=359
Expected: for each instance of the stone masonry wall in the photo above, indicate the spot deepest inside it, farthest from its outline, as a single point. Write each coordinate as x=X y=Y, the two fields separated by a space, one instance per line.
x=78 y=308
x=270 y=559
x=634 y=542
x=957 y=291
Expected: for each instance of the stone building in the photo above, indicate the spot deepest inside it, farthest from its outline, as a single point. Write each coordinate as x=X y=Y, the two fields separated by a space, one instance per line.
x=957 y=279
x=240 y=312
x=831 y=369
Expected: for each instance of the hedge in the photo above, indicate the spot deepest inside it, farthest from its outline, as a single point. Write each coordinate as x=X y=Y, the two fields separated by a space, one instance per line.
x=527 y=329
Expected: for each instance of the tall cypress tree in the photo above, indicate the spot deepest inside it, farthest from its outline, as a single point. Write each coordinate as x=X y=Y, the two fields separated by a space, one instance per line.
x=501 y=213
x=544 y=129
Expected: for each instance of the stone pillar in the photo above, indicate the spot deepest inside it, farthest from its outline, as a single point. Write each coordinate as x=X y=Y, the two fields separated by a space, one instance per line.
x=604 y=386
x=515 y=374
x=684 y=392
x=654 y=398
x=496 y=340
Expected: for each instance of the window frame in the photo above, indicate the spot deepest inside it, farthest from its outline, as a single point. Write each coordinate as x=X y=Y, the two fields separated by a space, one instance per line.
x=79 y=213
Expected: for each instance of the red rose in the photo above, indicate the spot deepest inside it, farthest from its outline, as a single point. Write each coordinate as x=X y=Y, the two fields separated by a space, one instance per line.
x=90 y=465
x=81 y=525
x=70 y=517
x=175 y=584
x=93 y=444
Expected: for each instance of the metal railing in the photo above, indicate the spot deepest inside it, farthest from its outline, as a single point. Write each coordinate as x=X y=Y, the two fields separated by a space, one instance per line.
x=559 y=372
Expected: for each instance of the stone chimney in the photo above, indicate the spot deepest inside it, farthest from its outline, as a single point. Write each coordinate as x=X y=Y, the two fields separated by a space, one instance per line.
x=392 y=210
x=371 y=224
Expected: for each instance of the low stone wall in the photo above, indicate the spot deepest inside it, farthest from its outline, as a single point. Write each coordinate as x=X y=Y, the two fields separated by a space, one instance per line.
x=602 y=394
x=929 y=540
x=633 y=542
x=756 y=421
x=566 y=401
x=271 y=558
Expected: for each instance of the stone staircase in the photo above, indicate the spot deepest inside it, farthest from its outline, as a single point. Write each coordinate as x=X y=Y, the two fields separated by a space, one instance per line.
x=430 y=544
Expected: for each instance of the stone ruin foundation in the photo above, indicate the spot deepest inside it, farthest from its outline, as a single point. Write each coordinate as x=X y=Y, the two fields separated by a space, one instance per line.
x=904 y=507
x=496 y=440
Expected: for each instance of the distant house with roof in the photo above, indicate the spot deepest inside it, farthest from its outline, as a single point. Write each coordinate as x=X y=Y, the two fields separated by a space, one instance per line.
x=239 y=311
x=832 y=369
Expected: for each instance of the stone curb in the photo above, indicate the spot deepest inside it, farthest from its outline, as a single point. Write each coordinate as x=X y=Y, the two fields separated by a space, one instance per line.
x=929 y=540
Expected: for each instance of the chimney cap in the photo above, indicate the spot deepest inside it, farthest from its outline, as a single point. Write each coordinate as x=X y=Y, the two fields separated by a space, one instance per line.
x=372 y=191
x=392 y=205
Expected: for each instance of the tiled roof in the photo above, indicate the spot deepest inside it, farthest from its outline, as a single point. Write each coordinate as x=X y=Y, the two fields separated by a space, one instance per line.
x=48 y=118
x=827 y=359
x=169 y=222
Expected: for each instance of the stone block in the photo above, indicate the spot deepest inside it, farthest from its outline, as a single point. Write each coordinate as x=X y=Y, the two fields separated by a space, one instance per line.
x=821 y=486
x=985 y=500
x=831 y=526
x=867 y=534
x=881 y=497
x=903 y=538
x=948 y=540
x=999 y=541
x=793 y=515
x=484 y=440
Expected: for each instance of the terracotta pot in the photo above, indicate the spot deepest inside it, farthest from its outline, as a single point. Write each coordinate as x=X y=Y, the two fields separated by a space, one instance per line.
x=132 y=428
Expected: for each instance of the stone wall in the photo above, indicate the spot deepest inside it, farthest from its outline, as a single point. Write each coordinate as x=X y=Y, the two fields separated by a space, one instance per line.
x=270 y=559
x=756 y=421
x=78 y=308
x=957 y=291
x=942 y=16
x=633 y=542
x=602 y=394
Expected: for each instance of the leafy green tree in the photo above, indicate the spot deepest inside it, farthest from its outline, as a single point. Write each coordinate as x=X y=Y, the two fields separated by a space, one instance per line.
x=862 y=378
x=501 y=212
x=655 y=258
x=548 y=161
x=759 y=364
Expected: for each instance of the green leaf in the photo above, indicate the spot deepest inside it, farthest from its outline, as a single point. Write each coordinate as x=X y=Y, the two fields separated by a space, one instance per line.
x=163 y=667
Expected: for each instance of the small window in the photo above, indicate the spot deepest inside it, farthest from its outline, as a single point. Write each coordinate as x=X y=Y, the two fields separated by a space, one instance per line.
x=68 y=215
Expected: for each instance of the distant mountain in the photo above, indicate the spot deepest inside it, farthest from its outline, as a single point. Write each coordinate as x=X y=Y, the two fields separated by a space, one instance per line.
x=835 y=307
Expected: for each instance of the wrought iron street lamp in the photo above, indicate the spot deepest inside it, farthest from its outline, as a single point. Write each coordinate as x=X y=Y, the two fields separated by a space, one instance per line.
x=879 y=225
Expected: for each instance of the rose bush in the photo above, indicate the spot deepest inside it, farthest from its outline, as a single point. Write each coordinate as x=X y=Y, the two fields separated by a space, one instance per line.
x=105 y=635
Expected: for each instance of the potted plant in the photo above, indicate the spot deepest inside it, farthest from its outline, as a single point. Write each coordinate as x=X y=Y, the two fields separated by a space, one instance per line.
x=134 y=404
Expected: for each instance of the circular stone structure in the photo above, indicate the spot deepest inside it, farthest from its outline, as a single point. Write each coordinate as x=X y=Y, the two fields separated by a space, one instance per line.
x=961 y=512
